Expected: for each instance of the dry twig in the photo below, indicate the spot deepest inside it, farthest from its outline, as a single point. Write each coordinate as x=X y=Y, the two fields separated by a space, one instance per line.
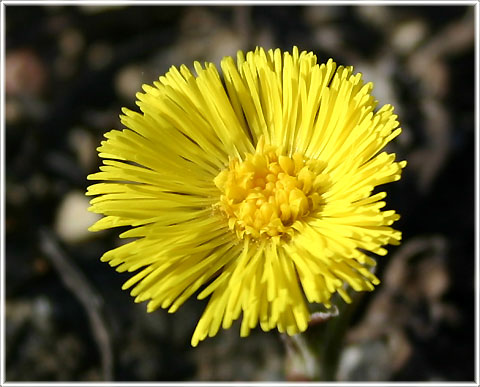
x=76 y=282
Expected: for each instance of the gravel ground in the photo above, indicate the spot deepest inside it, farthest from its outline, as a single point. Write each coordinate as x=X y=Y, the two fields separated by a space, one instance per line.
x=69 y=70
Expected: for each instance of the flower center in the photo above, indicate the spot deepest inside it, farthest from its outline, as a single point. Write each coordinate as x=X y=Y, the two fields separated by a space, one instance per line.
x=267 y=193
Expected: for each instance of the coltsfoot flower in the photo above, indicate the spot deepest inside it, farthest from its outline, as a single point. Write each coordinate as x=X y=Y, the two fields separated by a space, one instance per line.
x=254 y=188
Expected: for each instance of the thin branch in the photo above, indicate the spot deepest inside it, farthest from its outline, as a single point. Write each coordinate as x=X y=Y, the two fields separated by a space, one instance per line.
x=75 y=281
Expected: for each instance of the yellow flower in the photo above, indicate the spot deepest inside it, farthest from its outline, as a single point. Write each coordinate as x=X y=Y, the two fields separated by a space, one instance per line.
x=255 y=187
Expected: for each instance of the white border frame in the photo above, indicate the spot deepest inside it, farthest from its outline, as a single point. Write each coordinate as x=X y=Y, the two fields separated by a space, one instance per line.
x=3 y=5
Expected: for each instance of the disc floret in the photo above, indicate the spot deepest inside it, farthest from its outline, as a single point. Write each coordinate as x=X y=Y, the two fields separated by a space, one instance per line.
x=268 y=192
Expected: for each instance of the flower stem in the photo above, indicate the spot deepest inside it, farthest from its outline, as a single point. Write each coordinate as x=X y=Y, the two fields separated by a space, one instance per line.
x=315 y=353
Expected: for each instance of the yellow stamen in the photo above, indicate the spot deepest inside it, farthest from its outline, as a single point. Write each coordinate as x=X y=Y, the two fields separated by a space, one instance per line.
x=267 y=192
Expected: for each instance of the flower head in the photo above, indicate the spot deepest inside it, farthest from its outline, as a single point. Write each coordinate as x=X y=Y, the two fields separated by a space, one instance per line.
x=254 y=188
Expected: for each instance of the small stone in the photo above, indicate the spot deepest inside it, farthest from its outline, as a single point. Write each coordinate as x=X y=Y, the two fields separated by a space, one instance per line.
x=73 y=219
x=408 y=35
x=25 y=74
x=129 y=80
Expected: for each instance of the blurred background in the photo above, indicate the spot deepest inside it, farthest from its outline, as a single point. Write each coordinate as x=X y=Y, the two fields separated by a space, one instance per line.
x=68 y=72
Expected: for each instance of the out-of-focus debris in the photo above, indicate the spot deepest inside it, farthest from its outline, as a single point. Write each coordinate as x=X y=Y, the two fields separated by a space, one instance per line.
x=416 y=278
x=102 y=119
x=99 y=55
x=84 y=145
x=95 y=9
x=365 y=361
x=454 y=38
x=13 y=111
x=380 y=16
x=322 y=15
x=328 y=37
x=380 y=72
x=40 y=348
x=25 y=73
x=408 y=35
x=204 y=37
x=26 y=79
x=428 y=65
x=38 y=185
x=224 y=359
x=71 y=45
x=16 y=194
x=437 y=123
x=71 y=42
